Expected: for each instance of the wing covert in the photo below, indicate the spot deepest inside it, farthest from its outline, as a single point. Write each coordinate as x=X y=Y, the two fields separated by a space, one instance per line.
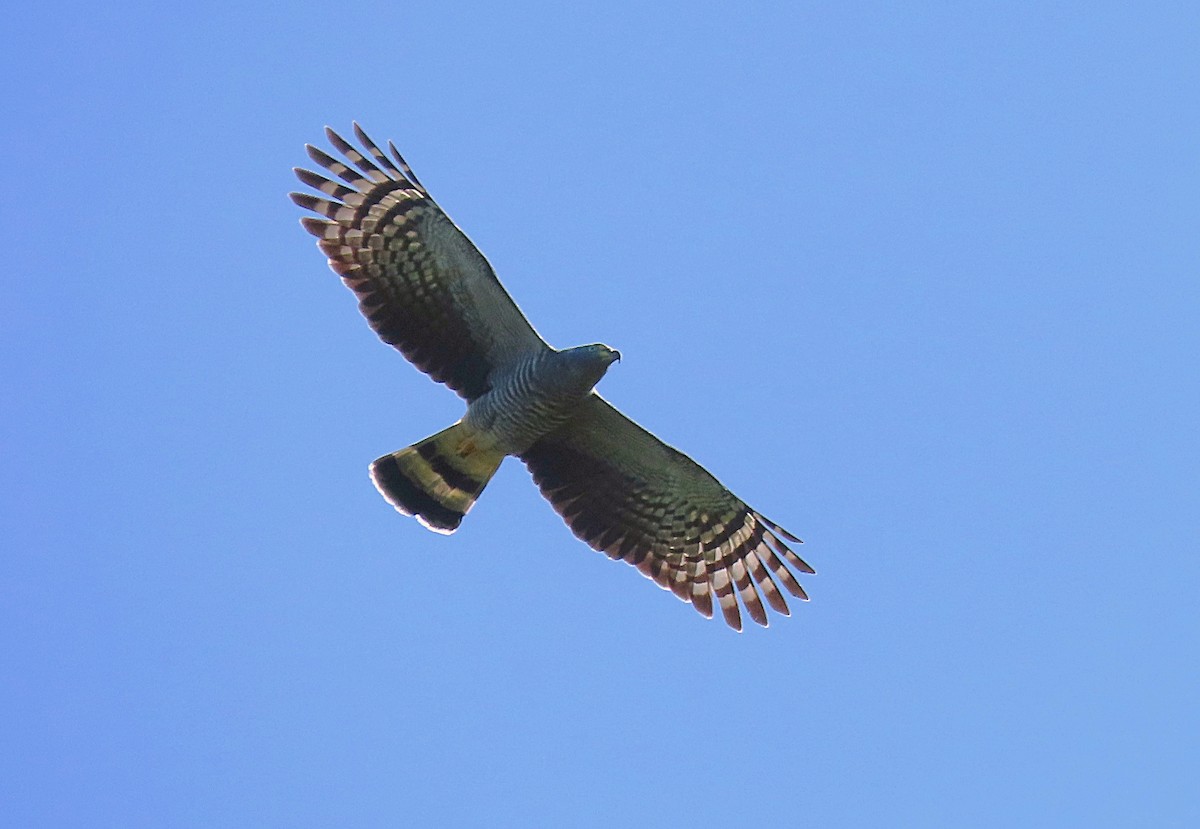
x=631 y=496
x=422 y=285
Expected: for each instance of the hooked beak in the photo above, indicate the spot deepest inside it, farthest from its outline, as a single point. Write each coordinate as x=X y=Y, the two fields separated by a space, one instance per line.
x=616 y=356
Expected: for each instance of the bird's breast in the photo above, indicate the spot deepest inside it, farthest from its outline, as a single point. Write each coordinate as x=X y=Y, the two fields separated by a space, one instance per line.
x=521 y=406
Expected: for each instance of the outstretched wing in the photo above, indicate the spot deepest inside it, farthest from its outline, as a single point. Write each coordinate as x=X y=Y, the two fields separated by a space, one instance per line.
x=630 y=496
x=421 y=283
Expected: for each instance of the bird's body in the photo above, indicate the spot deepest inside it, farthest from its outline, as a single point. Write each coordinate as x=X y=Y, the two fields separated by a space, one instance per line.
x=427 y=290
x=536 y=395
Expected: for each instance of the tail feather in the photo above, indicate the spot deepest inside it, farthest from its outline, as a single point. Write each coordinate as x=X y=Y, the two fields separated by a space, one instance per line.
x=438 y=479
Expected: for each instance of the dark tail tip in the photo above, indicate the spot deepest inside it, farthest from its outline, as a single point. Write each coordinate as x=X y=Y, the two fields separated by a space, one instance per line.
x=409 y=498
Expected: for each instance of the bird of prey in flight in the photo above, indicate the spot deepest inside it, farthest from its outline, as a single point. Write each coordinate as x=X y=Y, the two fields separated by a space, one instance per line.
x=428 y=291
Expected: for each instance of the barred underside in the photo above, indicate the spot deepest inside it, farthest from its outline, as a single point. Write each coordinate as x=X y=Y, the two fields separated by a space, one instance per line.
x=671 y=520
x=421 y=284
x=427 y=290
x=436 y=480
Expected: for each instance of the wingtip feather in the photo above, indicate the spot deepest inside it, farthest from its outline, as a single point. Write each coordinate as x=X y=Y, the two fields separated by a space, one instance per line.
x=317 y=227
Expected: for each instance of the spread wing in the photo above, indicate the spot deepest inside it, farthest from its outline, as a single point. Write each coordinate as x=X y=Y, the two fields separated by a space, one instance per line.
x=630 y=496
x=421 y=283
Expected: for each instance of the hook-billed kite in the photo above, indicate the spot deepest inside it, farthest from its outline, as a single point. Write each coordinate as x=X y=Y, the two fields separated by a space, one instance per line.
x=425 y=289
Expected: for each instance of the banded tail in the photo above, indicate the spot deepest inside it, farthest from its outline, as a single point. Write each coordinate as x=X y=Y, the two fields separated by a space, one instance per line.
x=438 y=479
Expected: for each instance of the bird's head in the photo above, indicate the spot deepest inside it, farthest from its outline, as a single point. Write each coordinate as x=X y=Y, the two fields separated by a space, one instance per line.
x=605 y=354
x=586 y=364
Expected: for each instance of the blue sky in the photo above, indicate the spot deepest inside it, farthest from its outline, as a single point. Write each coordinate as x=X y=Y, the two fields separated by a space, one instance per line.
x=918 y=281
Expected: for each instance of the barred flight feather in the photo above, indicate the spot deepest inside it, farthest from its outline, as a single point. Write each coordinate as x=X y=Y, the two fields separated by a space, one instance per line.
x=436 y=480
x=628 y=495
x=426 y=290
x=420 y=282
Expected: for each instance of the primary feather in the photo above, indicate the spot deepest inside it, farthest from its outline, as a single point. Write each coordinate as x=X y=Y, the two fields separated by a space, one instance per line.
x=427 y=290
x=421 y=284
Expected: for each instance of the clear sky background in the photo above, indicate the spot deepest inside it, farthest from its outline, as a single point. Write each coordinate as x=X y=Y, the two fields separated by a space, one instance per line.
x=919 y=281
